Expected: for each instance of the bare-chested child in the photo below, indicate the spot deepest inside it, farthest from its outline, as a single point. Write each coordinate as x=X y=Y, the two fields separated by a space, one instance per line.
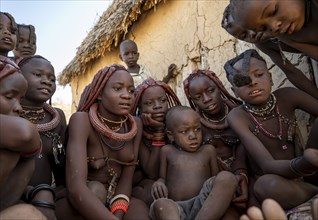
x=207 y=95
x=129 y=55
x=26 y=42
x=19 y=144
x=102 y=150
x=8 y=29
x=292 y=22
x=274 y=49
x=190 y=184
x=265 y=124
x=153 y=99
x=51 y=124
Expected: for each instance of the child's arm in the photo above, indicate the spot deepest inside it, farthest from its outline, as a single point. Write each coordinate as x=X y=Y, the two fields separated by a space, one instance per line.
x=310 y=50
x=159 y=188
x=213 y=160
x=293 y=74
x=256 y=149
x=240 y=170
x=170 y=74
x=19 y=135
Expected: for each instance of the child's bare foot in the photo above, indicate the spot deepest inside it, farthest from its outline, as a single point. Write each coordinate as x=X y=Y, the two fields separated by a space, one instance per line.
x=270 y=210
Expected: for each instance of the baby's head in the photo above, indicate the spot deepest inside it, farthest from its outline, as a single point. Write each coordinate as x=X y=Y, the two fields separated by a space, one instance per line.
x=8 y=29
x=184 y=128
x=26 y=41
x=154 y=97
x=129 y=53
x=249 y=77
x=13 y=87
x=39 y=73
x=273 y=18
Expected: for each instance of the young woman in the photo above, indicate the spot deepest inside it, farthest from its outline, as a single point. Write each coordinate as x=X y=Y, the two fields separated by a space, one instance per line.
x=102 y=150
x=51 y=124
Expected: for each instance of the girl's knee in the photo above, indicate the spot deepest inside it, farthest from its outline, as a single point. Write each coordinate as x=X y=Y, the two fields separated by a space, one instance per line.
x=98 y=189
x=266 y=186
x=226 y=178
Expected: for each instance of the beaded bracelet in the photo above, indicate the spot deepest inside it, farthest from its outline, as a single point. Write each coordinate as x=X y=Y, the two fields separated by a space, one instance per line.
x=158 y=143
x=43 y=204
x=32 y=192
x=119 y=196
x=119 y=204
x=245 y=175
x=295 y=170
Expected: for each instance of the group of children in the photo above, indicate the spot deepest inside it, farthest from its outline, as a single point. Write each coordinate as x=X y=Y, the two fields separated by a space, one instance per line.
x=132 y=151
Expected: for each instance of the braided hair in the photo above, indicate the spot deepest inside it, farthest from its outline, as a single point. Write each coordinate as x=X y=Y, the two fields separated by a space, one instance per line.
x=27 y=59
x=173 y=100
x=233 y=76
x=14 y=26
x=7 y=67
x=92 y=90
x=225 y=19
x=32 y=35
x=230 y=101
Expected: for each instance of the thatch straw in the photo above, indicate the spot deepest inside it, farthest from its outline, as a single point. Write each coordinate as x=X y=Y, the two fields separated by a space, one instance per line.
x=111 y=28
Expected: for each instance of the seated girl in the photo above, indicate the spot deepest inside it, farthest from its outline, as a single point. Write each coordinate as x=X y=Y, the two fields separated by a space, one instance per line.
x=51 y=124
x=153 y=99
x=265 y=123
x=17 y=152
x=207 y=95
x=102 y=151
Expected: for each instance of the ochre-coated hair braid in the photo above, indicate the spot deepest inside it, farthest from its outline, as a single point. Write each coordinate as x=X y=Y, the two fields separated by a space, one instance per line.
x=173 y=100
x=226 y=97
x=7 y=67
x=92 y=90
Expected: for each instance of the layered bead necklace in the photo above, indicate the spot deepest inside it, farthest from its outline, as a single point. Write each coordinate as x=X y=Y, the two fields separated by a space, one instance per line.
x=264 y=111
x=215 y=124
x=108 y=132
x=36 y=114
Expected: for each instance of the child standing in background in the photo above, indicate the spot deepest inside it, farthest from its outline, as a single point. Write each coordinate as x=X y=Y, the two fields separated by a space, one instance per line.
x=8 y=29
x=153 y=99
x=129 y=55
x=190 y=184
x=26 y=42
x=51 y=124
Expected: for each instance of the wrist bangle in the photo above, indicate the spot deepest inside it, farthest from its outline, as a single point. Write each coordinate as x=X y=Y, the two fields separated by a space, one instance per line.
x=245 y=175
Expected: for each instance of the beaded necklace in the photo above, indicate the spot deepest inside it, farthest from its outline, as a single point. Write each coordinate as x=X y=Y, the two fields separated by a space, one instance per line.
x=58 y=150
x=267 y=133
x=33 y=114
x=115 y=128
x=266 y=110
x=226 y=111
x=46 y=126
x=105 y=130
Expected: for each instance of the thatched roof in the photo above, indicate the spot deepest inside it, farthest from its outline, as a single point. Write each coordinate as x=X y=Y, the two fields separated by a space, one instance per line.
x=107 y=33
